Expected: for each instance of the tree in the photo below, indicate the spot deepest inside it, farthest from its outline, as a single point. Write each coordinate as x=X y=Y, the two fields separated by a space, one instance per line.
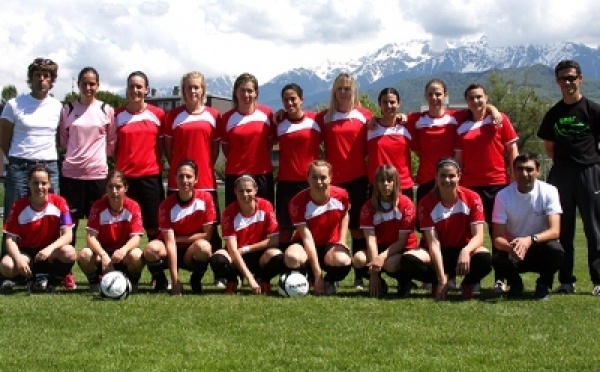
x=8 y=92
x=524 y=108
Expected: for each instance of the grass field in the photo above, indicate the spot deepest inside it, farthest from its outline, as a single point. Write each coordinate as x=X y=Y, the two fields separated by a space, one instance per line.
x=350 y=331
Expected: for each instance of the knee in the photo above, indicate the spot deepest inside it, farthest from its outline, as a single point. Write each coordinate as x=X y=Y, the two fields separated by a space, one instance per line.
x=338 y=258
x=294 y=256
x=359 y=260
x=203 y=250
x=134 y=257
x=7 y=266
x=66 y=253
x=85 y=256
x=152 y=251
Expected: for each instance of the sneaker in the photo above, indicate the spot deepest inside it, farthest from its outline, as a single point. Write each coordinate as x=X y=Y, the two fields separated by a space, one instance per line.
x=359 y=284
x=231 y=286
x=542 y=292
x=220 y=283
x=69 y=282
x=330 y=288
x=196 y=282
x=467 y=291
x=596 y=291
x=7 y=286
x=451 y=284
x=566 y=288
x=38 y=284
x=500 y=287
x=160 y=282
x=477 y=288
x=95 y=288
x=265 y=287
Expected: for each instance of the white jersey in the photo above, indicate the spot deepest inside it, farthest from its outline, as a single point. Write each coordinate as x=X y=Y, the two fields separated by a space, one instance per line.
x=525 y=214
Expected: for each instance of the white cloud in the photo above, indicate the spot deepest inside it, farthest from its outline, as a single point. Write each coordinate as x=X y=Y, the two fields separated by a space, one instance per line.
x=167 y=39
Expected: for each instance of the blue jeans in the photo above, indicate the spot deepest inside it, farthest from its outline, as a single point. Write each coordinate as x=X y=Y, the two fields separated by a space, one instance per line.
x=16 y=182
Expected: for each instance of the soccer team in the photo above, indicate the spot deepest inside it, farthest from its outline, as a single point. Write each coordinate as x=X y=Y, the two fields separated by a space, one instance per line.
x=343 y=174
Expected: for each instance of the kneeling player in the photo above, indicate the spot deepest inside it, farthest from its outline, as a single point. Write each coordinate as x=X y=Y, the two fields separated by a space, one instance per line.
x=388 y=222
x=38 y=235
x=251 y=237
x=186 y=220
x=114 y=231
x=320 y=215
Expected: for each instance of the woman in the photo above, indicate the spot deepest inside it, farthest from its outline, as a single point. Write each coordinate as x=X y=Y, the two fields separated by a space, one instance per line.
x=389 y=142
x=38 y=236
x=251 y=233
x=246 y=133
x=320 y=215
x=186 y=220
x=299 y=138
x=114 y=232
x=388 y=222
x=485 y=152
x=87 y=134
x=138 y=152
x=344 y=127
x=451 y=218
x=190 y=132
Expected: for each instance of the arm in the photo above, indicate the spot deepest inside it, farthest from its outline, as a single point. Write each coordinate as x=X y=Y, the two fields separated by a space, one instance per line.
x=214 y=152
x=239 y=262
x=521 y=245
x=494 y=113
x=12 y=249
x=464 y=259
x=435 y=252
x=65 y=238
x=6 y=134
x=96 y=247
x=344 y=229
x=313 y=260
x=169 y=149
x=119 y=254
x=512 y=151
x=171 y=247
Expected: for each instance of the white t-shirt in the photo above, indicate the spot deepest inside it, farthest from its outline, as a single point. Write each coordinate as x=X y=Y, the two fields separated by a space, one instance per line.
x=525 y=214
x=35 y=124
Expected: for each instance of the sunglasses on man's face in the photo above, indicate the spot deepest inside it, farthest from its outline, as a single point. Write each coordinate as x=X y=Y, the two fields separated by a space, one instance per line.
x=43 y=61
x=569 y=78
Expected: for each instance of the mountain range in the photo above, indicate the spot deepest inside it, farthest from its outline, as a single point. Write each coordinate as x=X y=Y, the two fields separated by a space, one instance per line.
x=408 y=66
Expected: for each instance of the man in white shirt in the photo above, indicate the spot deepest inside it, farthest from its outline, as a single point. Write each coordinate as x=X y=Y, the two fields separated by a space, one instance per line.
x=526 y=227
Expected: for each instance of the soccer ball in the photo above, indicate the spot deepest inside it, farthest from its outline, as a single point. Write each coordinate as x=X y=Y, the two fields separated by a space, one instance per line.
x=115 y=285
x=293 y=284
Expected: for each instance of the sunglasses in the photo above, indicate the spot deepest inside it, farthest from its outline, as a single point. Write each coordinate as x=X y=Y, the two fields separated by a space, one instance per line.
x=569 y=78
x=43 y=61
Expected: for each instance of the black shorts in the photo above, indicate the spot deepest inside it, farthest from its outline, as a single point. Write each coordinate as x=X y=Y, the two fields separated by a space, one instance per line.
x=357 y=192
x=286 y=190
x=81 y=194
x=252 y=261
x=488 y=195
x=266 y=187
x=450 y=258
x=424 y=189
x=149 y=192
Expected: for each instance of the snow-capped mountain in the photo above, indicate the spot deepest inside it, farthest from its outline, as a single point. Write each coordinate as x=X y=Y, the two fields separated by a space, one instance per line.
x=395 y=62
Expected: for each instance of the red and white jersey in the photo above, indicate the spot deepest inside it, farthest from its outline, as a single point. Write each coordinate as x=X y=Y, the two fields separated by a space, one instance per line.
x=434 y=139
x=250 y=229
x=451 y=223
x=193 y=136
x=299 y=145
x=138 y=153
x=483 y=145
x=390 y=145
x=189 y=218
x=38 y=228
x=389 y=224
x=323 y=220
x=345 y=138
x=113 y=230
x=247 y=137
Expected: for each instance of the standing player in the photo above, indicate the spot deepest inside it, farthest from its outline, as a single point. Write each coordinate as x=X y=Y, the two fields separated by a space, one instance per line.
x=344 y=127
x=299 y=138
x=451 y=218
x=138 y=152
x=114 y=232
x=190 y=132
x=481 y=148
x=320 y=215
x=388 y=222
x=246 y=133
x=571 y=132
x=87 y=134
x=251 y=234
x=38 y=236
x=186 y=220
x=389 y=142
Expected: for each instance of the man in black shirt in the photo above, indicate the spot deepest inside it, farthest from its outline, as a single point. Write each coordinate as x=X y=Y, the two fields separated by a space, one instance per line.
x=571 y=130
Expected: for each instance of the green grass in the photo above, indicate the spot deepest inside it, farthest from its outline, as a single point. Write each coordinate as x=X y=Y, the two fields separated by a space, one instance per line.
x=350 y=331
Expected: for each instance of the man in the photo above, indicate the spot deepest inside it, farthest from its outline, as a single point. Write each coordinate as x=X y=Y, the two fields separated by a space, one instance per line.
x=28 y=134
x=526 y=225
x=571 y=131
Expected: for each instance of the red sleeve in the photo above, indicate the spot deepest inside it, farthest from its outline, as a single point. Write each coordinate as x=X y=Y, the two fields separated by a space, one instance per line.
x=366 y=216
x=222 y=126
x=295 y=209
x=211 y=211
x=477 y=214
x=164 y=220
x=508 y=131
x=272 y=225
x=227 y=221
x=168 y=123
x=425 y=221
x=93 y=219
x=137 y=224
x=407 y=208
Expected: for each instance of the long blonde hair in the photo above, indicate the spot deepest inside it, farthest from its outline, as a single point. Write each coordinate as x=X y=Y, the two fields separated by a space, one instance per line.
x=333 y=103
